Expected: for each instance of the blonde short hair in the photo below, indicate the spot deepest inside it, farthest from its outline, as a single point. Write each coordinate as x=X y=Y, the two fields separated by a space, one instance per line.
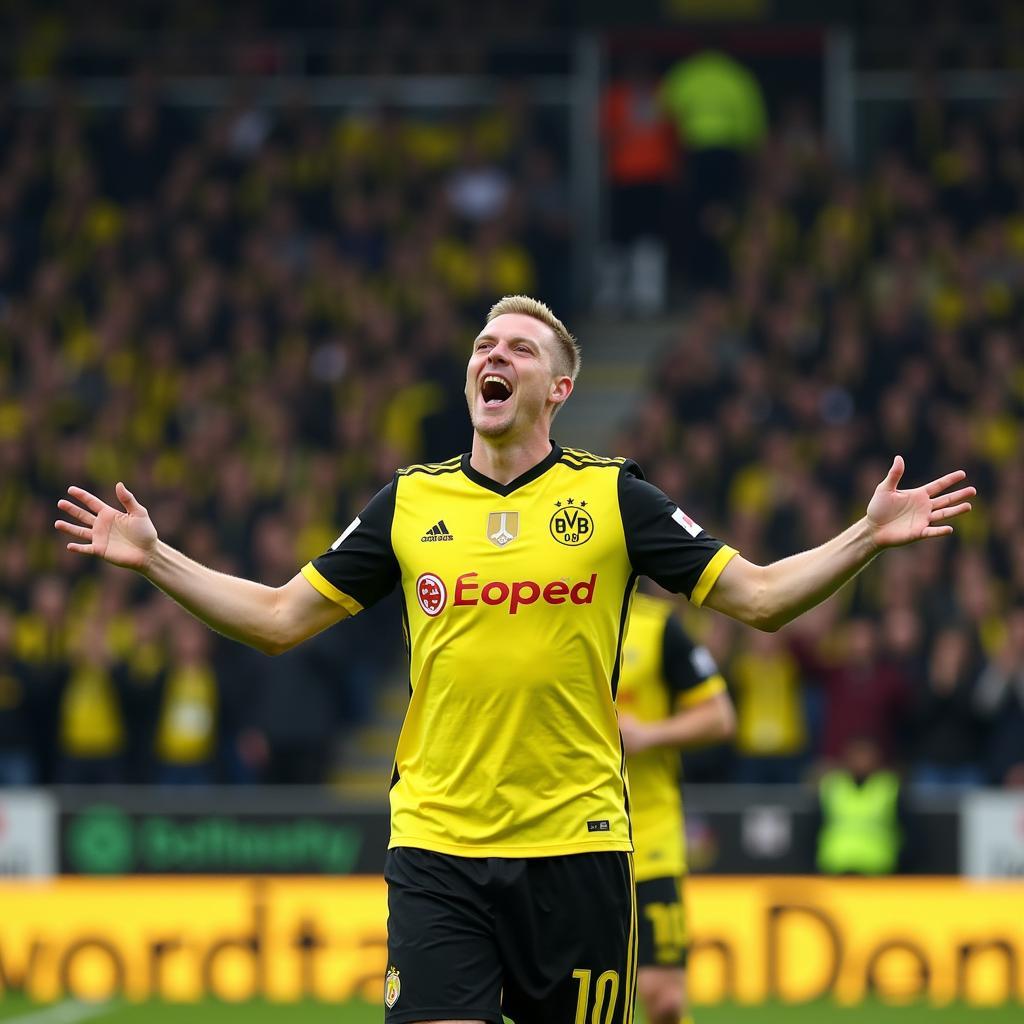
x=568 y=346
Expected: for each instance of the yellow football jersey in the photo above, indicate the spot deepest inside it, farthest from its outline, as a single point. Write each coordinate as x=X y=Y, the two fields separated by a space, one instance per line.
x=515 y=600
x=662 y=672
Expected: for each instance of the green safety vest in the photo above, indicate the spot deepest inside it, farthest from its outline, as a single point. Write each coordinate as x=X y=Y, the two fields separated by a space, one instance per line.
x=860 y=832
x=715 y=101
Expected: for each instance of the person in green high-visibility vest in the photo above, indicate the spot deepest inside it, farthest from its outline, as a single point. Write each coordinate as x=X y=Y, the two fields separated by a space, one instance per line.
x=719 y=113
x=863 y=822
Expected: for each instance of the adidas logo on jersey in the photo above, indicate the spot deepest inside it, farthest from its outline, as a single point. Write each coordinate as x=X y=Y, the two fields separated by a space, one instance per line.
x=436 y=533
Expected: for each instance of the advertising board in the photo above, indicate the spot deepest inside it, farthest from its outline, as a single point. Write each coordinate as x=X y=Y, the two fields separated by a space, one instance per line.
x=118 y=834
x=28 y=833
x=731 y=830
x=992 y=835
x=291 y=938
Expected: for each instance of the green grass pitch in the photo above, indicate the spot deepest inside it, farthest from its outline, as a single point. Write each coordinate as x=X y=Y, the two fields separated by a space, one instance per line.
x=16 y=1010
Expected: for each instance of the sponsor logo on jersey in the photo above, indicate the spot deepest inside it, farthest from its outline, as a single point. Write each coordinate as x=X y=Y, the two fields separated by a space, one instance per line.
x=686 y=522
x=469 y=590
x=438 y=532
x=431 y=594
x=502 y=528
x=571 y=524
x=392 y=987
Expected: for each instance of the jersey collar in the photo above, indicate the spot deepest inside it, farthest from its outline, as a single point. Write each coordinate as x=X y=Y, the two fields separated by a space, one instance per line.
x=520 y=481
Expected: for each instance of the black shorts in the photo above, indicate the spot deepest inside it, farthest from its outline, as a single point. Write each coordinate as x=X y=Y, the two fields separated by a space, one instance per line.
x=664 y=939
x=540 y=939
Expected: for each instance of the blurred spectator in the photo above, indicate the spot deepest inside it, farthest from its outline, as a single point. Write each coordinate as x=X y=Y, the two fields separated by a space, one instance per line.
x=143 y=671
x=862 y=823
x=92 y=731
x=1000 y=697
x=134 y=151
x=771 y=733
x=864 y=695
x=186 y=736
x=289 y=713
x=41 y=631
x=903 y=641
x=292 y=714
x=719 y=114
x=640 y=152
x=19 y=737
x=548 y=225
x=477 y=189
x=41 y=646
x=718 y=105
x=945 y=728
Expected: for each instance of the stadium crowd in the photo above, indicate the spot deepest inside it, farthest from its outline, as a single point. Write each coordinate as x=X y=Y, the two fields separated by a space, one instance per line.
x=252 y=316
x=859 y=316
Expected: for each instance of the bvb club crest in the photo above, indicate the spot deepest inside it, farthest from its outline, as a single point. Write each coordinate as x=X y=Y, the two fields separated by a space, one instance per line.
x=392 y=987
x=572 y=525
x=502 y=528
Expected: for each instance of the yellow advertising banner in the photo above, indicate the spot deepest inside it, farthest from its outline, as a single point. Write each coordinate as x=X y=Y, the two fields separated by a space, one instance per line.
x=899 y=939
x=790 y=939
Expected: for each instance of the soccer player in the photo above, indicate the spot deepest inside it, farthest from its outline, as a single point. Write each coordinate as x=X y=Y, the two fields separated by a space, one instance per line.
x=510 y=880
x=671 y=697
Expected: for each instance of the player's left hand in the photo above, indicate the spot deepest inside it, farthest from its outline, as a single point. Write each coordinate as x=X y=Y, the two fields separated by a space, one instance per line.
x=902 y=517
x=636 y=735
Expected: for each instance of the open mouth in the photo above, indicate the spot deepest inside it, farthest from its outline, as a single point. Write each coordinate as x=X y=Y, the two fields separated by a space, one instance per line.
x=494 y=390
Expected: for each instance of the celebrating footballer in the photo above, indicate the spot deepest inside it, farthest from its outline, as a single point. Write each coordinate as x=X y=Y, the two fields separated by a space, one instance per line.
x=510 y=872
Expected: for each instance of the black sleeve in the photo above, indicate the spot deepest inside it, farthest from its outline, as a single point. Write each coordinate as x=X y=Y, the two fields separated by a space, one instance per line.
x=361 y=563
x=684 y=664
x=662 y=541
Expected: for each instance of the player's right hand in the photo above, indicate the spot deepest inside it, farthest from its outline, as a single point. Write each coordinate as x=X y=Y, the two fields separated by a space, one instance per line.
x=126 y=538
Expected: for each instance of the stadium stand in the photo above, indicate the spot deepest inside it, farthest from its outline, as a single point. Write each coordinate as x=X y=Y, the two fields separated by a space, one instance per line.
x=253 y=314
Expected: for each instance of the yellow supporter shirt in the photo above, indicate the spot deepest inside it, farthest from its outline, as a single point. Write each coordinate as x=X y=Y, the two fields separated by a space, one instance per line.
x=90 y=715
x=515 y=601
x=187 y=728
x=769 y=704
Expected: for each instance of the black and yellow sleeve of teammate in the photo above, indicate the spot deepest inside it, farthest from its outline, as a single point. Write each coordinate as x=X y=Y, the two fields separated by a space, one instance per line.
x=689 y=669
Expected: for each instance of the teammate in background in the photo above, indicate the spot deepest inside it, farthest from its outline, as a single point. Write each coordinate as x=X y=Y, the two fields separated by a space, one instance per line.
x=510 y=879
x=671 y=697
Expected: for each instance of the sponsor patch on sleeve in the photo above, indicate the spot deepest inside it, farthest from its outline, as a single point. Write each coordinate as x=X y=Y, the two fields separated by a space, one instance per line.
x=686 y=522
x=703 y=663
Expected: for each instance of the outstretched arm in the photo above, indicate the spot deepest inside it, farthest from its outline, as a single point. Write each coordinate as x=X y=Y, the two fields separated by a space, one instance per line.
x=769 y=596
x=271 y=619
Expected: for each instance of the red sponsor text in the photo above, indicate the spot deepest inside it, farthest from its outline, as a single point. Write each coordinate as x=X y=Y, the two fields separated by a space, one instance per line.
x=469 y=591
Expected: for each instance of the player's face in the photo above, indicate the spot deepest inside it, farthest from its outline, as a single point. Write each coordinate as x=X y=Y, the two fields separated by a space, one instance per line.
x=513 y=376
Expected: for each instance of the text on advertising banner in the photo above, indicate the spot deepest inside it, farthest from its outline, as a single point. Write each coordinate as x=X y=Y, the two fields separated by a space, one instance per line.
x=789 y=939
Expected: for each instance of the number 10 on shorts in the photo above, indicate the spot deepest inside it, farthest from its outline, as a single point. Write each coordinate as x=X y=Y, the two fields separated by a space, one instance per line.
x=606 y=991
